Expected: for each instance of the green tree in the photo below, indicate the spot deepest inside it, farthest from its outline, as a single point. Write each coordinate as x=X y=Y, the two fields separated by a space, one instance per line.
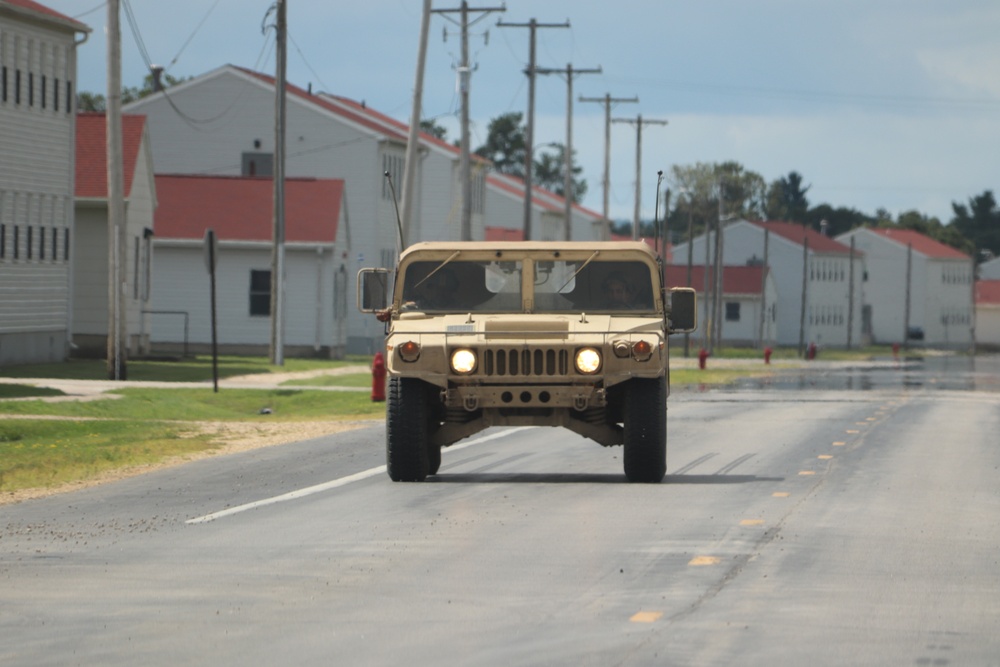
x=432 y=128
x=979 y=222
x=549 y=173
x=88 y=101
x=504 y=145
x=839 y=220
x=786 y=199
x=696 y=190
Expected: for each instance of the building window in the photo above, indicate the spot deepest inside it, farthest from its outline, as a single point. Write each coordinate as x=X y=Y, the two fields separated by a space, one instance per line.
x=31 y=89
x=135 y=269
x=393 y=165
x=69 y=97
x=258 y=164
x=16 y=241
x=55 y=94
x=3 y=240
x=41 y=243
x=17 y=87
x=43 y=91
x=260 y=293
x=55 y=243
x=66 y=243
x=733 y=311
x=3 y=83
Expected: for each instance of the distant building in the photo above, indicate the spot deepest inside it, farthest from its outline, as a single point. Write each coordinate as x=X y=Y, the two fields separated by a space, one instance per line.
x=798 y=257
x=505 y=210
x=989 y=270
x=239 y=210
x=749 y=303
x=988 y=315
x=939 y=292
x=37 y=95
x=90 y=243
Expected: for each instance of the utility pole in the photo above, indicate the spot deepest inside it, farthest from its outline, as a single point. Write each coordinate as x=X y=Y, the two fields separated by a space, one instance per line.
x=763 y=289
x=464 y=83
x=529 y=138
x=278 y=233
x=850 y=298
x=413 y=139
x=638 y=122
x=805 y=299
x=117 y=343
x=607 y=100
x=568 y=152
x=906 y=303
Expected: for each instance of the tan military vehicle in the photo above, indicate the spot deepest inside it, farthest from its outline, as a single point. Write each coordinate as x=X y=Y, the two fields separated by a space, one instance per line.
x=483 y=334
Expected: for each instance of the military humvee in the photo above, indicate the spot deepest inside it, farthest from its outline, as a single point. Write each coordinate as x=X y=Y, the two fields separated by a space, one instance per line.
x=482 y=334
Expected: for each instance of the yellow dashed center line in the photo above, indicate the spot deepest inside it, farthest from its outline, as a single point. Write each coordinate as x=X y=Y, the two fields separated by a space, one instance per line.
x=807 y=472
x=646 y=616
x=839 y=443
x=851 y=430
x=825 y=456
x=704 y=560
x=780 y=494
x=752 y=522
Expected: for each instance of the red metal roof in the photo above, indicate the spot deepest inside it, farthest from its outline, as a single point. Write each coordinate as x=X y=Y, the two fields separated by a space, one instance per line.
x=921 y=243
x=735 y=279
x=31 y=6
x=92 y=153
x=329 y=106
x=798 y=234
x=504 y=234
x=241 y=208
x=988 y=292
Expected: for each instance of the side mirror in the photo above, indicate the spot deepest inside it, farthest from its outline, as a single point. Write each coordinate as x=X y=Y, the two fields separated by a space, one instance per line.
x=683 y=314
x=373 y=290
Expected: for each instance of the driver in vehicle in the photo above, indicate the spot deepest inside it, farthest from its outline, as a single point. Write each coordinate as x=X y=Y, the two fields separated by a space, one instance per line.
x=618 y=292
x=436 y=292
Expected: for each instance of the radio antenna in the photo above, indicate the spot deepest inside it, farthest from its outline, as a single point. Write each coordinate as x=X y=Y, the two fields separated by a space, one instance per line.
x=395 y=203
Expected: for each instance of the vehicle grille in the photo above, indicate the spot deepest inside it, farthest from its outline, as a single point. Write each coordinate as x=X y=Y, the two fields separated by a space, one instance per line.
x=525 y=362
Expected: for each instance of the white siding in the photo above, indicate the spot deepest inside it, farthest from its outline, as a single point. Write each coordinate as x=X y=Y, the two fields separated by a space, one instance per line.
x=36 y=188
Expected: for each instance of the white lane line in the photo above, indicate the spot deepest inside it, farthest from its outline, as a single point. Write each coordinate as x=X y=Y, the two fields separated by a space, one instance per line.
x=333 y=484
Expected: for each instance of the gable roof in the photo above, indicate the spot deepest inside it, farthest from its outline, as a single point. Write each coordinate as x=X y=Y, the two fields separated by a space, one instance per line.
x=988 y=292
x=921 y=243
x=92 y=153
x=798 y=234
x=241 y=208
x=40 y=11
x=746 y=280
x=319 y=101
x=503 y=234
x=540 y=197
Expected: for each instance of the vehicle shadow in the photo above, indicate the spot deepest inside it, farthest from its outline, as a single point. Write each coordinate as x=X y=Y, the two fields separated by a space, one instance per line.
x=585 y=478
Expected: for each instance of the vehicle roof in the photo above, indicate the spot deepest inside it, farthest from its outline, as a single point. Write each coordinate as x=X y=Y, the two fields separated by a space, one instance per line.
x=528 y=246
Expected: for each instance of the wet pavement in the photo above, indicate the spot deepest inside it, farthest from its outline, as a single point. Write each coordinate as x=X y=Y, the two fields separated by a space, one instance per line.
x=938 y=373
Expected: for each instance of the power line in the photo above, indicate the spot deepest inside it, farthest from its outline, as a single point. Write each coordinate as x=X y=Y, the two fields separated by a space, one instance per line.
x=193 y=33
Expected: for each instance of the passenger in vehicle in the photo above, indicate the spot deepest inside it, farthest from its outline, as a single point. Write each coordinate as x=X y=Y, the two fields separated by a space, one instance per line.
x=619 y=294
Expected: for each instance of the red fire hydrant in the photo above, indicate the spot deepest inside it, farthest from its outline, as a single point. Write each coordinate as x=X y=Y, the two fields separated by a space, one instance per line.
x=702 y=358
x=811 y=352
x=378 y=377
x=767 y=355
x=895 y=350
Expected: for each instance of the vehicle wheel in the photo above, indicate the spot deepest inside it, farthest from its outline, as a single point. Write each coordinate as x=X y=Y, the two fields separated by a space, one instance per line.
x=645 y=413
x=406 y=455
x=433 y=459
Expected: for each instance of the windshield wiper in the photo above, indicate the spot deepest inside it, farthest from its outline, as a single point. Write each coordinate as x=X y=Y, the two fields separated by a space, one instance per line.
x=575 y=273
x=437 y=268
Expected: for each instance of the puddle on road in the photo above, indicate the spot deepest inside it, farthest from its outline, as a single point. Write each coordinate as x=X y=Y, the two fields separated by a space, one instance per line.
x=946 y=373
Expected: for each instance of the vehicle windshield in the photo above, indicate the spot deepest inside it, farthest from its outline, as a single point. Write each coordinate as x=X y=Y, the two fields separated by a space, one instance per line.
x=462 y=286
x=597 y=287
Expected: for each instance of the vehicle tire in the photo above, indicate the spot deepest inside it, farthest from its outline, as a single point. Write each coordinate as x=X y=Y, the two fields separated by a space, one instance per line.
x=406 y=427
x=645 y=418
x=433 y=459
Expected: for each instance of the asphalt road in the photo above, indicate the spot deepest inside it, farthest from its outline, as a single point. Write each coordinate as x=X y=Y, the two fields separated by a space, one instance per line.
x=820 y=525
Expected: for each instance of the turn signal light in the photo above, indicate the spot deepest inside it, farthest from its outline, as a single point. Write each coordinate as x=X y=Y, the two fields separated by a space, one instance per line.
x=641 y=350
x=409 y=351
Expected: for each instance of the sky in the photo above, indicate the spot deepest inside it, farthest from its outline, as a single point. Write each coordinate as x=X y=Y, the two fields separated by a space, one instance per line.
x=891 y=104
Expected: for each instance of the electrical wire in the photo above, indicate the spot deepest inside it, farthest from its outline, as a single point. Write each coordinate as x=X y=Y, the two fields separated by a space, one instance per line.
x=319 y=79
x=90 y=11
x=193 y=33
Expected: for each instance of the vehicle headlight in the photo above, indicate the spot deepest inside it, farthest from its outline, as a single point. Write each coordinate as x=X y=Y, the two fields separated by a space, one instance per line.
x=463 y=361
x=588 y=360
